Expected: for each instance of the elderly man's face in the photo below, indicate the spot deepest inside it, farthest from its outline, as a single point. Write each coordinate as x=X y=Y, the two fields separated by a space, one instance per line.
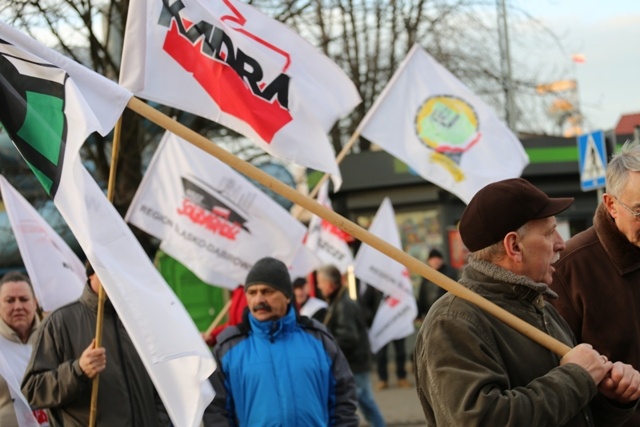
x=325 y=284
x=18 y=307
x=621 y=209
x=540 y=246
x=266 y=303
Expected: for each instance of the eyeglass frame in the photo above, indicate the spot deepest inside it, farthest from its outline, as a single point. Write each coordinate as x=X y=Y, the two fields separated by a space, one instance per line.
x=631 y=211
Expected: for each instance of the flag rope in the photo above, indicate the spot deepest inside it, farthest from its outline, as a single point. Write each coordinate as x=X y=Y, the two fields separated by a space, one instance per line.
x=350 y=227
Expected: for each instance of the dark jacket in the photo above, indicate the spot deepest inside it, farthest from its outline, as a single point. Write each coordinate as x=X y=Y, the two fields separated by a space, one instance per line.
x=429 y=292
x=474 y=370
x=287 y=372
x=54 y=380
x=346 y=323
x=598 y=283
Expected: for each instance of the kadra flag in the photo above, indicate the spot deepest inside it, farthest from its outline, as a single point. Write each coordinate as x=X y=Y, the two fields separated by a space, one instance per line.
x=55 y=271
x=49 y=105
x=398 y=309
x=431 y=121
x=228 y=62
x=209 y=217
x=329 y=243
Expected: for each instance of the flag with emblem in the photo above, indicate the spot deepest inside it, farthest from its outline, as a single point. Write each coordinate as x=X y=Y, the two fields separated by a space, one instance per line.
x=49 y=105
x=431 y=121
x=398 y=308
x=210 y=217
x=230 y=63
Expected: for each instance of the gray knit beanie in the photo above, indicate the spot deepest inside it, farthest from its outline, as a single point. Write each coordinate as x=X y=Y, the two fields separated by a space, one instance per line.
x=272 y=272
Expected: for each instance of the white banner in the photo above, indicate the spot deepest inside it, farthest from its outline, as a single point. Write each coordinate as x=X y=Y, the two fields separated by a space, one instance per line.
x=209 y=217
x=398 y=309
x=432 y=122
x=55 y=271
x=325 y=240
x=230 y=63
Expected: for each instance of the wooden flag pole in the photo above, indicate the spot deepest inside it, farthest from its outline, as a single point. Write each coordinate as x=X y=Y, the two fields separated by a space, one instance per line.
x=218 y=318
x=115 y=150
x=353 y=229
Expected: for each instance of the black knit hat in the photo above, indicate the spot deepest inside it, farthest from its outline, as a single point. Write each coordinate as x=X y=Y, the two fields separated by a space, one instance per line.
x=272 y=272
x=502 y=207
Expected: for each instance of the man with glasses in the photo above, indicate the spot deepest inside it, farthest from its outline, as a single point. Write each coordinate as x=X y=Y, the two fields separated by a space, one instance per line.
x=598 y=275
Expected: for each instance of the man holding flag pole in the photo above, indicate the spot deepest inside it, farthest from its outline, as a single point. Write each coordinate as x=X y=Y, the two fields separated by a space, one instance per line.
x=472 y=370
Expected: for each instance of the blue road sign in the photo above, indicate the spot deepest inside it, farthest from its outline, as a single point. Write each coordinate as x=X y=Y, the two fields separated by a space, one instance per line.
x=593 y=160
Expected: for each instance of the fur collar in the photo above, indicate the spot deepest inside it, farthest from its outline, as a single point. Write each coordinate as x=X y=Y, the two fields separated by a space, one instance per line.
x=505 y=276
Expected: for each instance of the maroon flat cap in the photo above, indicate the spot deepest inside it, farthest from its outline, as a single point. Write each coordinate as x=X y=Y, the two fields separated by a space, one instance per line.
x=502 y=207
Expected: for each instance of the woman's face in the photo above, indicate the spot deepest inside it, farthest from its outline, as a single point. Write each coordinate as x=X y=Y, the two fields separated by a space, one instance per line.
x=18 y=307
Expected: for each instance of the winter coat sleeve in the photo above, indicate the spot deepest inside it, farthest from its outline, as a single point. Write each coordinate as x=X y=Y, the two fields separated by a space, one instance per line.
x=343 y=402
x=468 y=385
x=49 y=379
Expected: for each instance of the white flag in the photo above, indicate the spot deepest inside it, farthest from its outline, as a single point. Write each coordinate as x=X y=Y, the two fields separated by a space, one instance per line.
x=208 y=216
x=48 y=128
x=325 y=240
x=56 y=272
x=398 y=309
x=304 y=263
x=432 y=122
x=12 y=374
x=230 y=63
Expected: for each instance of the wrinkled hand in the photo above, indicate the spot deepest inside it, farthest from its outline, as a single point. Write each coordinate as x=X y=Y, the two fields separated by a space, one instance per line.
x=93 y=360
x=622 y=383
x=597 y=365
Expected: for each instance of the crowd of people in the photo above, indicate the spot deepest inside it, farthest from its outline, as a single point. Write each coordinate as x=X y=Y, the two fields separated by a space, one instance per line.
x=298 y=353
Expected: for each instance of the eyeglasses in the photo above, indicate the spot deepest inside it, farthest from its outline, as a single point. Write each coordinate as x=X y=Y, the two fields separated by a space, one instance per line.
x=631 y=211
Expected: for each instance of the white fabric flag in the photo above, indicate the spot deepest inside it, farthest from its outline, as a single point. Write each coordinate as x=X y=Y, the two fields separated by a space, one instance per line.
x=208 y=216
x=232 y=64
x=398 y=309
x=13 y=362
x=304 y=263
x=325 y=240
x=432 y=122
x=55 y=271
x=48 y=119
x=24 y=415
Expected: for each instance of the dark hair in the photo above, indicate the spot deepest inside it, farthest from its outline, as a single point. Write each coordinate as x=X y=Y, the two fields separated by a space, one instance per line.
x=434 y=253
x=16 y=276
x=88 y=269
x=298 y=282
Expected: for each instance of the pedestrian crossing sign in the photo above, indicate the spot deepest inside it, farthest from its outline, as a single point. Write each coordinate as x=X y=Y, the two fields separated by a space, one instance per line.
x=593 y=160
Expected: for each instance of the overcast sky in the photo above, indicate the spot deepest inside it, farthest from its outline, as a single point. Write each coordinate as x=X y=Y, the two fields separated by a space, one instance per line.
x=608 y=34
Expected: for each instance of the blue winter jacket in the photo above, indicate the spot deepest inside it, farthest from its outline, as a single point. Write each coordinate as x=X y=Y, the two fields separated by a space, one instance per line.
x=283 y=373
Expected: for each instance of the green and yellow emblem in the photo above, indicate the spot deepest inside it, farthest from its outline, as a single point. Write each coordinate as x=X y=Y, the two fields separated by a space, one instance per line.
x=449 y=126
